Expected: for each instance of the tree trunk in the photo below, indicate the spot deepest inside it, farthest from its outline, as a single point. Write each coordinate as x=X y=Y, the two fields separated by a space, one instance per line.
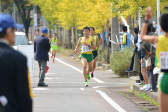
x=130 y=25
x=27 y=25
x=107 y=35
x=114 y=32
x=103 y=38
x=69 y=39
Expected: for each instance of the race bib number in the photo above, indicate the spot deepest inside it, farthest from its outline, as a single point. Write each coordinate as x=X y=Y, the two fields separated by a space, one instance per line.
x=53 y=44
x=86 y=49
x=164 y=60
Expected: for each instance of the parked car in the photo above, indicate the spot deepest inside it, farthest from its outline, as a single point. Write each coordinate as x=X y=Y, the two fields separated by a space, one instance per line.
x=21 y=39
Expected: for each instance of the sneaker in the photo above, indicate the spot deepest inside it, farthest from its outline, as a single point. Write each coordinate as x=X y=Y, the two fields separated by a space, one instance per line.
x=88 y=77
x=51 y=56
x=86 y=84
x=53 y=61
x=129 y=70
x=153 y=90
x=148 y=89
x=146 y=86
x=92 y=75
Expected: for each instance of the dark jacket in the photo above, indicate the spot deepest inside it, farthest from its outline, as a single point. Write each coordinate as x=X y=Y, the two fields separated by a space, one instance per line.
x=135 y=47
x=41 y=48
x=145 y=47
x=14 y=80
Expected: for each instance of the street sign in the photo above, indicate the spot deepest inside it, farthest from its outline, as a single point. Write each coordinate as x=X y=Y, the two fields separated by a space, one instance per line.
x=35 y=20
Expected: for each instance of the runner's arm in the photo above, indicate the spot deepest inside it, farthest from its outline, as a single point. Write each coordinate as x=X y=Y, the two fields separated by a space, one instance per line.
x=144 y=37
x=93 y=44
x=77 y=46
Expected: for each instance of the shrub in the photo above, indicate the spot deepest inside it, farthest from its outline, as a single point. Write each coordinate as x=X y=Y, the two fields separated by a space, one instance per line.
x=120 y=61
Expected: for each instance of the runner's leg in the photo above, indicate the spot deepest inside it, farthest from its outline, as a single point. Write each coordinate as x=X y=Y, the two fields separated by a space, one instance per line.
x=163 y=102
x=89 y=67
x=94 y=65
x=54 y=52
x=84 y=63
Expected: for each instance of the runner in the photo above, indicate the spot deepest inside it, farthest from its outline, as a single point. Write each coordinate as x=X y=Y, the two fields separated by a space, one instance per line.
x=54 y=48
x=86 y=56
x=94 y=52
x=161 y=43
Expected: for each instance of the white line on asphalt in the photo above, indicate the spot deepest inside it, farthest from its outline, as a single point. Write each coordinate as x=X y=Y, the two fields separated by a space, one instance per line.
x=116 y=85
x=110 y=101
x=99 y=81
x=69 y=82
x=49 y=73
x=48 y=78
x=82 y=88
x=41 y=89
x=96 y=79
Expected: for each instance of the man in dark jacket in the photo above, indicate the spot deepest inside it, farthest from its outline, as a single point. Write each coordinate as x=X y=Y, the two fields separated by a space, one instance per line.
x=14 y=87
x=41 y=49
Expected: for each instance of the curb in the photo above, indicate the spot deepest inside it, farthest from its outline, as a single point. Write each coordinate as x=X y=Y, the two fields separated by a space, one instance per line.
x=152 y=95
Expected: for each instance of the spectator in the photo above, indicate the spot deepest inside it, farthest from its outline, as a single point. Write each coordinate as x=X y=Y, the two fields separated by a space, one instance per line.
x=145 y=50
x=41 y=49
x=126 y=39
x=101 y=36
x=36 y=34
x=136 y=30
x=14 y=86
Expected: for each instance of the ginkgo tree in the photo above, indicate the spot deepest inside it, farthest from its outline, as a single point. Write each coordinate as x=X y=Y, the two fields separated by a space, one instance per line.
x=75 y=13
x=129 y=7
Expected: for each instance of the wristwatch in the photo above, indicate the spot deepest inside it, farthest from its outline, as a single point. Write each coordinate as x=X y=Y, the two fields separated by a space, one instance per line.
x=146 y=21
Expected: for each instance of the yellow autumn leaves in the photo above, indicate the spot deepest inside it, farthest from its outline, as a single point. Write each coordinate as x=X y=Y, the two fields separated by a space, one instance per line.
x=80 y=13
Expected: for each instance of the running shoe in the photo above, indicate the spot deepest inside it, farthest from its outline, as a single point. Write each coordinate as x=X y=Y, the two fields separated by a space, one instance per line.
x=88 y=77
x=86 y=84
x=92 y=75
x=53 y=61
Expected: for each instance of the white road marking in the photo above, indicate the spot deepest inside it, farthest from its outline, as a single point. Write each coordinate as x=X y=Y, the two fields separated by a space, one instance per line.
x=82 y=88
x=110 y=101
x=69 y=82
x=116 y=85
x=41 y=89
x=49 y=73
x=49 y=78
x=97 y=80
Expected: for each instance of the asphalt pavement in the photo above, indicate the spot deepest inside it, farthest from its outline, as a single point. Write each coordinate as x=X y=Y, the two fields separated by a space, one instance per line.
x=66 y=91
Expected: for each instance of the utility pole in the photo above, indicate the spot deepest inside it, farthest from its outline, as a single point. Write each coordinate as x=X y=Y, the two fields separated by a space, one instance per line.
x=158 y=15
x=14 y=12
x=114 y=32
x=35 y=17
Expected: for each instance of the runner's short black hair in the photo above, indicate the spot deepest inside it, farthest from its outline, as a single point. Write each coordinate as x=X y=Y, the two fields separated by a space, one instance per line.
x=93 y=28
x=124 y=28
x=86 y=28
x=164 y=22
x=136 y=30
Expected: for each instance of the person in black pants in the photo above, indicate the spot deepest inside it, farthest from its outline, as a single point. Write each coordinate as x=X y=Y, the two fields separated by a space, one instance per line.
x=136 y=30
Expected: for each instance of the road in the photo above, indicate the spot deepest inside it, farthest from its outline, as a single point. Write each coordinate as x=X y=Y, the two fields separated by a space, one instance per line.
x=66 y=91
